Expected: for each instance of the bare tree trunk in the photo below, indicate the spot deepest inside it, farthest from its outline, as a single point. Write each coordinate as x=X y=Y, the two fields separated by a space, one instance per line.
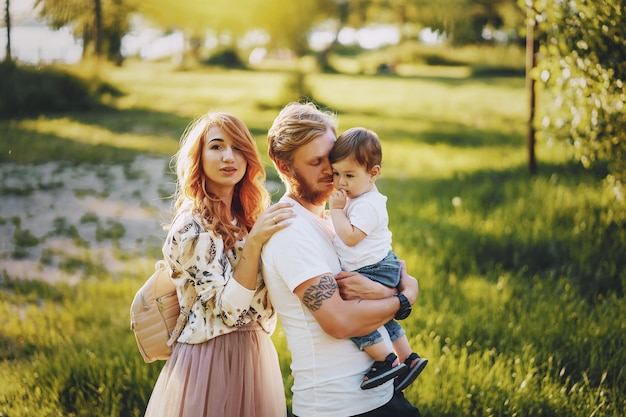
x=7 y=20
x=322 y=56
x=530 y=86
x=98 y=27
x=402 y=21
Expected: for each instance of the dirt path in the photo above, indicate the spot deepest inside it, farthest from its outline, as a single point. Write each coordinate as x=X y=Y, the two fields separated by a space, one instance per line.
x=57 y=222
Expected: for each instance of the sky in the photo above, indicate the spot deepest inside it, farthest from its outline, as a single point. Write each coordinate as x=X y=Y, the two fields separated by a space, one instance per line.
x=21 y=9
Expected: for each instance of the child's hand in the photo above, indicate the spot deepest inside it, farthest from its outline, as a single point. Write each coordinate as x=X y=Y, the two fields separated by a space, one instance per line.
x=338 y=200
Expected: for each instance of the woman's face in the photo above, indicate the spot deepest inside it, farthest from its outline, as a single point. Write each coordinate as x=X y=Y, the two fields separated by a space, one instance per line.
x=223 y=164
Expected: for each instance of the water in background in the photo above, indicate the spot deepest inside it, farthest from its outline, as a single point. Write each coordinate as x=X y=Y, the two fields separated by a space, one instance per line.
x=39 y=44
x=34 y=44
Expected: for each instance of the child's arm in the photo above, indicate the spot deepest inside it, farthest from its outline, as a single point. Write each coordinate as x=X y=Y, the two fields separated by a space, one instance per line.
x=348 y=234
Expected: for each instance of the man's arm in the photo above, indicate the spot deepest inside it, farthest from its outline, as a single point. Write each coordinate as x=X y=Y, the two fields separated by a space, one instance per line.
x=354 y=286
x=348 y=318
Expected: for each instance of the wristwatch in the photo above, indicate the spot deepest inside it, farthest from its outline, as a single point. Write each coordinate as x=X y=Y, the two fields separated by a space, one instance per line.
x=405 y=307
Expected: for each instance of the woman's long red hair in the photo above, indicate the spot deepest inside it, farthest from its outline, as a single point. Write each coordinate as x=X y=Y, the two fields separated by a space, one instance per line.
x=250 y=197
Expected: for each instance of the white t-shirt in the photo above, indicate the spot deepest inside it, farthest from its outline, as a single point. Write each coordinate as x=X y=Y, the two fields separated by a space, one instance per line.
x=327 y=371
x=367 y=212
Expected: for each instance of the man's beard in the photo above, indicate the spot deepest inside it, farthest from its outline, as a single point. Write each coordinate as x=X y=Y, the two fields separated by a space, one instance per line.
x=301 y=189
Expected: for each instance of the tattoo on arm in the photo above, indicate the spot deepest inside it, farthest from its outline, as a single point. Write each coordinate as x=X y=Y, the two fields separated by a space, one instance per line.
x=316 y=294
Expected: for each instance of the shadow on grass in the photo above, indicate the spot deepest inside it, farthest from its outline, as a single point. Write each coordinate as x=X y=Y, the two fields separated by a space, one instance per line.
x=453 y=134
x=481 y=77
x=494 y=222
x=27 y=146
x=136 y=121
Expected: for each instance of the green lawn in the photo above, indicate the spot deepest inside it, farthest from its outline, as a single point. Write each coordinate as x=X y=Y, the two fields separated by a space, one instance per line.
x=520 y=313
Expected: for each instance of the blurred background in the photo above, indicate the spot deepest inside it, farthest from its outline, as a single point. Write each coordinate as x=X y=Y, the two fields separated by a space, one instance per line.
x=53 y=31
x=503 y=131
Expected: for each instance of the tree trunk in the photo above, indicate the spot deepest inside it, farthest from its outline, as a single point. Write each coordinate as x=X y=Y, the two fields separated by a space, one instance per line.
x=323 y=56
x=530 y=86
x=7 y=20
x=98 y=27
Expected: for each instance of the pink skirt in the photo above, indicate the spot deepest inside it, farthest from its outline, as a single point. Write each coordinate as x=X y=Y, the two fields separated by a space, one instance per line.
x=233 y=375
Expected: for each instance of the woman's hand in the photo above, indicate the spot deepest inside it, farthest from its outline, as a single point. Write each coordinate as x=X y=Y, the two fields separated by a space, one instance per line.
x=273 y=219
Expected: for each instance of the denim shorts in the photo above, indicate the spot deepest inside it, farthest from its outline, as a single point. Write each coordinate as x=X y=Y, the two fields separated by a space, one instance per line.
x=386 y=272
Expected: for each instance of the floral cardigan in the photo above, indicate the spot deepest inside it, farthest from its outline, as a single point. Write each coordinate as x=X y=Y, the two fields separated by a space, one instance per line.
x=219 y=304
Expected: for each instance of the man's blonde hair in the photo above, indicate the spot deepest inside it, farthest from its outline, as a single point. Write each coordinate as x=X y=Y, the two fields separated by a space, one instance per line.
x=297 y=124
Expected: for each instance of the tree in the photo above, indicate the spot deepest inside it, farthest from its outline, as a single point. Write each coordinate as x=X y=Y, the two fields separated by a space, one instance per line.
x=463 y=21
x=583 y=67
x=344 y=13
x=288 y=22
x=228 y=20
x=100 y=24
x=7 y=21
x=402 y=13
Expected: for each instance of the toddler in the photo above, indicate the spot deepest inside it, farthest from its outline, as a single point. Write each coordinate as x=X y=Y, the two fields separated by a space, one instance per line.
x=363 y=243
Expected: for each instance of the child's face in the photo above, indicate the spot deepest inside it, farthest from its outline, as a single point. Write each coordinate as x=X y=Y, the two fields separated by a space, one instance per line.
x=353 y=178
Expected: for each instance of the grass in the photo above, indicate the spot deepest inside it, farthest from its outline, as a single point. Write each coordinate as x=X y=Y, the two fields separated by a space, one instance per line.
x=521 y=309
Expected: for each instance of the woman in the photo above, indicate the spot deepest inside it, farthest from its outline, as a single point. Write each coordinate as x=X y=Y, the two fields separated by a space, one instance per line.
x=224 y=362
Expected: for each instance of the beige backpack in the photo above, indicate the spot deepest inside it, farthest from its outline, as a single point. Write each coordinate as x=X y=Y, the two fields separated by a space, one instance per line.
x=155 y=315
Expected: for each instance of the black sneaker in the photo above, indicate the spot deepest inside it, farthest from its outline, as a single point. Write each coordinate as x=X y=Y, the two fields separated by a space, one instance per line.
x=382 y=371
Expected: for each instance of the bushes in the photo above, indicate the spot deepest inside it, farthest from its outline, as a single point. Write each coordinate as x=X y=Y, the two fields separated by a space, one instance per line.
x=226 y=58
x=31 y=91
x=583 y=68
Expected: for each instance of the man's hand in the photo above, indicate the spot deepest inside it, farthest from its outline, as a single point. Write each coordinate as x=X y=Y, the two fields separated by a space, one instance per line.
x=408 y=285
x=354 y=286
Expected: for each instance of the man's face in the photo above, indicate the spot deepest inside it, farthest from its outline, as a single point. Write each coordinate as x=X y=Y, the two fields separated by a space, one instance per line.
x=312 y=175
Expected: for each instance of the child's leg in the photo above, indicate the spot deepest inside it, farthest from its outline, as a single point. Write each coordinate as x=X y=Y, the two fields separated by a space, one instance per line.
x=365 y=342
x=414 y=363
x=402 y=347
x=378 y=351
x=399 y=340
x=386 y=365
x=373 y=345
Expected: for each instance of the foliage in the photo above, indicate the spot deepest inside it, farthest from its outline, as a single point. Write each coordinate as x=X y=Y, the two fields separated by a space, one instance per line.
x=226 y=20
x=91 y=21
x=229 y=17
x=583 y=66
x=288 y=23
x=284 y=24
x=29 y=91
x=226 y=58
x=463 y=21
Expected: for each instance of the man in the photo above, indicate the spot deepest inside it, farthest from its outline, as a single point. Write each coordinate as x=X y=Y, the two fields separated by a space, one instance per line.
x=306 y=285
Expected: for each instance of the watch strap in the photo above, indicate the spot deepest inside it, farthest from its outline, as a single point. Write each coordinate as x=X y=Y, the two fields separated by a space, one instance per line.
x=405 y=307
